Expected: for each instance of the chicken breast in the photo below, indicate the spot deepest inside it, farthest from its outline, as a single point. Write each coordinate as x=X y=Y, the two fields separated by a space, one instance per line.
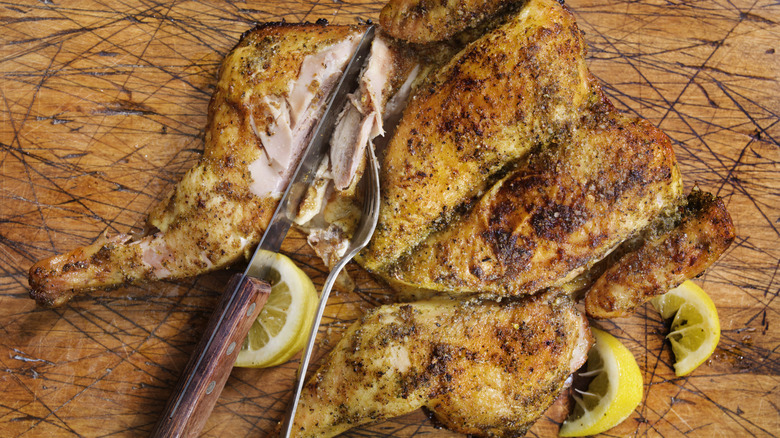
x=481 y=367
x=270 y=92
x=472 y=120
x=566 y=207
x=580 y=178
x=389 y=66
x=425 y=21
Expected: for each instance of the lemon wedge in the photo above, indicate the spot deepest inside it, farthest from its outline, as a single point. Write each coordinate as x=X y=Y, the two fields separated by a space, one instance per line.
x=695 y=327
x=283 y=326
x=612 y=395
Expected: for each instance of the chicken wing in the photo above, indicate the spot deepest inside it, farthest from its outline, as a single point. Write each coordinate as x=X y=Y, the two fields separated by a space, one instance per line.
x=269 y=94
x=481 y=367
x=703 y=234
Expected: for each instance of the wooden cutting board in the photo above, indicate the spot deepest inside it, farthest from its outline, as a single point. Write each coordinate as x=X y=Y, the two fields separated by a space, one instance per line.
x=103 y=106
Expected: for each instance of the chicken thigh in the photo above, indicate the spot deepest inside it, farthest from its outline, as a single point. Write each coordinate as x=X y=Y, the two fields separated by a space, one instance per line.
x=270 y=92
x=481 y=367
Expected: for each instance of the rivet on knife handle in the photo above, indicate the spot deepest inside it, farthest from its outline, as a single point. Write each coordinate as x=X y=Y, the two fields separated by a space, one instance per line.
x=209 y=367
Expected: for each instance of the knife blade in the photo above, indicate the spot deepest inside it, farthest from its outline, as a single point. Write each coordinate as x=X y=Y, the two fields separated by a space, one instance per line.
x=209 y=366
x=306 y=171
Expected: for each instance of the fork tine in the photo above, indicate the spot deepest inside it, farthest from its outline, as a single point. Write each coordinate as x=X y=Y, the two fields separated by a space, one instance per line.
x=371 y=198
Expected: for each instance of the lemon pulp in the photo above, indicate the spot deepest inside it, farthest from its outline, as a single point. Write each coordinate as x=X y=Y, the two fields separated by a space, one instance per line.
x=612 y=395
x=695 y=328
x=283 y=325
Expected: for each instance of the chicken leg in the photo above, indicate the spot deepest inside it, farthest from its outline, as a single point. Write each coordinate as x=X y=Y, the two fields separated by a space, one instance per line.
x=269 y=94
x=481 y=367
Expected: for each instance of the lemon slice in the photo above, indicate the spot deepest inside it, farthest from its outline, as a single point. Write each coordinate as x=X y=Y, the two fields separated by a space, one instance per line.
x=695 y=327
x=612 y=395
x=283 y=325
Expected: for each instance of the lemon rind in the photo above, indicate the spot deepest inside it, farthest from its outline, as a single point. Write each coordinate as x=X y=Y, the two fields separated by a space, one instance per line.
x=617 y=404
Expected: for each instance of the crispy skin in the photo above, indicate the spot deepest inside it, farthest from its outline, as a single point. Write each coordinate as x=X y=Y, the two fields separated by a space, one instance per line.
x=482 y=368
x=481 y=112
x=581 y=178
x=425 y=21
x=211 y=219
x=684 y=252
x=572 y=202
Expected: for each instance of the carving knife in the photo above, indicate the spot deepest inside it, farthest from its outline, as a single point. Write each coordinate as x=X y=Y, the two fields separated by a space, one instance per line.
x=209 y=367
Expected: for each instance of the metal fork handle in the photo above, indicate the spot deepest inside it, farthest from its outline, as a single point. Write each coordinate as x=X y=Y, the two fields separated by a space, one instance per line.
x=306 y=358
x=362 y=236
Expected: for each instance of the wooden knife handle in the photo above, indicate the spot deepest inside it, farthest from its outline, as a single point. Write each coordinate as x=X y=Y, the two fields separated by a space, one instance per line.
x=202 y=380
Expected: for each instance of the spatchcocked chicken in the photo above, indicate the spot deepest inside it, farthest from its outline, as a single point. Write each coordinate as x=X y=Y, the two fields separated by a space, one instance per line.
x=507 y=178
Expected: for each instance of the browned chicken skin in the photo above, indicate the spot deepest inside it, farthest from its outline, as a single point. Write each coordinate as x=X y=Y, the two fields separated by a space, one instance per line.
x=704 y=233
x=220 y=208
x=469 y=120
x=565 y=208
x=425 y=21
x=580 y=177
x=482 y=367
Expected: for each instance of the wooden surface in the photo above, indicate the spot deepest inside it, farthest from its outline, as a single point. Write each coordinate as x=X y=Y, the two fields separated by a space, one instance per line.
x=103 y=106
x=200 y=384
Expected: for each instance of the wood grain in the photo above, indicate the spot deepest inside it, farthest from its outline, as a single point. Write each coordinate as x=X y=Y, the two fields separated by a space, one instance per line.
x=103 y=106
x=201 y=382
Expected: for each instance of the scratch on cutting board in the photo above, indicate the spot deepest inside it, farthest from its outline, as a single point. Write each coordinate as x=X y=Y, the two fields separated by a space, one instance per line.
x=23 y=357
x=671 y=409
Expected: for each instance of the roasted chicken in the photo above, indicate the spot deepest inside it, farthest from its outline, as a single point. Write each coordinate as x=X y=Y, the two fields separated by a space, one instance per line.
x=511 y=171
x=269 y=94
x=508 y=174
x=481 y=194
x=481 y=367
